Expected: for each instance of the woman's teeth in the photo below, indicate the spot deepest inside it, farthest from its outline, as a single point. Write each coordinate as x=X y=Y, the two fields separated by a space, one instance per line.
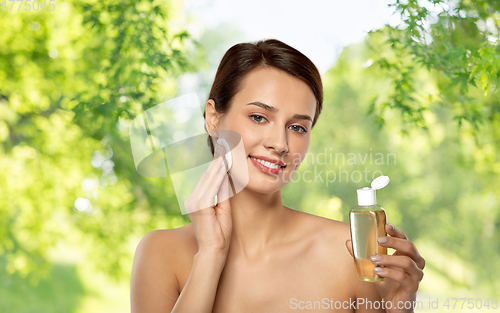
x=265 y=163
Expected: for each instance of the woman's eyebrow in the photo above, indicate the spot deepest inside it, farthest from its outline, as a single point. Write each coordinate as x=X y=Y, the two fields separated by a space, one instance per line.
x=274 y=110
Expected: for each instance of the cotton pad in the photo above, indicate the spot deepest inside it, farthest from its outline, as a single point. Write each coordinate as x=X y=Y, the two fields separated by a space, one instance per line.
x=228 y=157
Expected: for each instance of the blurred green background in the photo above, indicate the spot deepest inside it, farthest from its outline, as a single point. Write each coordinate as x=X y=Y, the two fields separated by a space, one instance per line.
x=418 y=102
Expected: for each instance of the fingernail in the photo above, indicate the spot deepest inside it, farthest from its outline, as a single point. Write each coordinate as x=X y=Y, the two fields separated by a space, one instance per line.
x=382 y=240
x=391 y=226
x=378 y=269
x=375 y=258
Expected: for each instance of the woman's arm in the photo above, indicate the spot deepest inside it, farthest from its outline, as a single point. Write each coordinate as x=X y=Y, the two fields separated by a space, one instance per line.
x=199 y=293
x=154 y=286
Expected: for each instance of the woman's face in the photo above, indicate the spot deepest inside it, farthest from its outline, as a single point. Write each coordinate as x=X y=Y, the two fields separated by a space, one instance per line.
x=273 y=113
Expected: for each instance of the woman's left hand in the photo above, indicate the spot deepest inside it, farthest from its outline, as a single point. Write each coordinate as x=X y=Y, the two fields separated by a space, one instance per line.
x=403 y=271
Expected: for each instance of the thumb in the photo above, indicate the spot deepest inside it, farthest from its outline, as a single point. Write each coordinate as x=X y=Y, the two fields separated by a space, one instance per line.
x=224 y=194
x=223 y=207
x=349 y=246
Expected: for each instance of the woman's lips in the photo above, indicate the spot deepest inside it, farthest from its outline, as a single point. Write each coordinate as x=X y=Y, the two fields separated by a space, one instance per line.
x=268 y=159
x=265 y=169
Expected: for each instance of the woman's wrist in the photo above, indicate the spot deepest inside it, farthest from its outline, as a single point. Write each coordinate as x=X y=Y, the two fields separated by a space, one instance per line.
x=211 y=260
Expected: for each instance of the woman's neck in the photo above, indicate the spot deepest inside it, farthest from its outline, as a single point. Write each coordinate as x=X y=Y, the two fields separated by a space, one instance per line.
x=259 y=221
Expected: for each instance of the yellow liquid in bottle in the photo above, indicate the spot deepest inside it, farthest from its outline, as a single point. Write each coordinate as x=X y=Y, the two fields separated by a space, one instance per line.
x=367 y=224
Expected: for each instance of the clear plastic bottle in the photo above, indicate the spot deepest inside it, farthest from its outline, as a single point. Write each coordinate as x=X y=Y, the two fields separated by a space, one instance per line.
x=368 y=221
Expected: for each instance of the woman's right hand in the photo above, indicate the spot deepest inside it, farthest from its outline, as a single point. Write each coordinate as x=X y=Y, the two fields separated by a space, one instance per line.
x=212 y=224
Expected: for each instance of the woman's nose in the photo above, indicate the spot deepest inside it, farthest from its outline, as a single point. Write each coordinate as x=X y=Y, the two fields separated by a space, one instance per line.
x=277 y=139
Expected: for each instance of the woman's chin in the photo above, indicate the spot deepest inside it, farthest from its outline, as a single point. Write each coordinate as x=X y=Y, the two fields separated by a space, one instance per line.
x=265 y=185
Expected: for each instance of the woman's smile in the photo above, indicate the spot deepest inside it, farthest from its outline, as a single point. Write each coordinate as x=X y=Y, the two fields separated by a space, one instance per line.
x=269 y=167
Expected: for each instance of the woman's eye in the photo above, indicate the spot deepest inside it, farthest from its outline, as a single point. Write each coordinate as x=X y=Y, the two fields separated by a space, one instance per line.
x=303 y=129
x=258 y=116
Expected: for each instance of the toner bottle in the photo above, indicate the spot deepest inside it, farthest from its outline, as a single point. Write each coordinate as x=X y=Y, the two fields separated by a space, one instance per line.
x=368 y=221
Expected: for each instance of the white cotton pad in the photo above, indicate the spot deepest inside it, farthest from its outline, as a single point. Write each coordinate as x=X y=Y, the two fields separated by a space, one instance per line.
x=229 y=161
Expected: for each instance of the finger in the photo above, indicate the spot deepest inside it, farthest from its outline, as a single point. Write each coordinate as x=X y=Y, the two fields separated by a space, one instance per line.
x=194 y=214
x=215 y=184
x=409 y=285
x=348 y=244
x=394 y=232
x=399 y=261
x=223 y=207
x=210 y=173
x=204 y=192
x=224 y=192
x=402 y=247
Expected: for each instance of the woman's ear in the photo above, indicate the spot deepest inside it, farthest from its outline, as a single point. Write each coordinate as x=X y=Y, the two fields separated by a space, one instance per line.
x=211 y=116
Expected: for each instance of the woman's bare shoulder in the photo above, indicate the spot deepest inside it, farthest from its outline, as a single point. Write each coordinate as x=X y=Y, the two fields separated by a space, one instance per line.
x=327 y=240
x=323 y=226
x=329 y=235
x=182 y=232
x=172 y=241
x=159 y=262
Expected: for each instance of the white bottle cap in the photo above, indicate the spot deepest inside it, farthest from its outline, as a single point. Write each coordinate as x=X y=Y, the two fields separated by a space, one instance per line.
x=380 y=182
x=367 y=195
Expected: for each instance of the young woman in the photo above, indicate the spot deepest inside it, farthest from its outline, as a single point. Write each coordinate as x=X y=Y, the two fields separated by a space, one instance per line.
x=251 y=253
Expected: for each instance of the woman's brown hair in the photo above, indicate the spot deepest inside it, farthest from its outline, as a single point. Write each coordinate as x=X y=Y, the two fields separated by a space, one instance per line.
x=242 y=58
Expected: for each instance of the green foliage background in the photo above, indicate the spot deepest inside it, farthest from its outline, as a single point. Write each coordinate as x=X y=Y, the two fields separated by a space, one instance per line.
x=424 y=92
